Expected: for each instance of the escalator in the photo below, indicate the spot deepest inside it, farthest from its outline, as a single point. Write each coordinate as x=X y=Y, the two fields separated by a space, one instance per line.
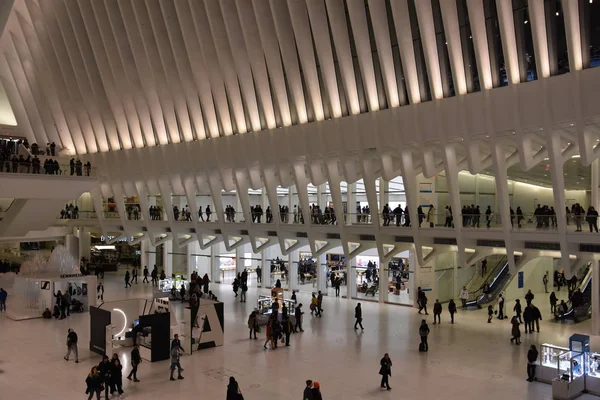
x=583 y=311
x=498 y=279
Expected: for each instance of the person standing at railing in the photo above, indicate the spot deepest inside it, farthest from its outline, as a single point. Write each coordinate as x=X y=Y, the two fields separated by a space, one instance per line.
x=488 y=216
x=476 y=217
x=519 y=217
x=512 y=217
x=592 y=219
x=421 y=215
x=207 y=212
x=72 y=166
x=398 y=215
x=88 y=168
x=431 y=216
x=406 y=217
x=79 y=167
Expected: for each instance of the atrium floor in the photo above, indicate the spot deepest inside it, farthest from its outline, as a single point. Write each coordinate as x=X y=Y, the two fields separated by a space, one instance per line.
x=470 y=359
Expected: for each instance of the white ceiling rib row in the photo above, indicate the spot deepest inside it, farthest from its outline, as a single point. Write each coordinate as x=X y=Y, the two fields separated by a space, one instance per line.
x=101 y=75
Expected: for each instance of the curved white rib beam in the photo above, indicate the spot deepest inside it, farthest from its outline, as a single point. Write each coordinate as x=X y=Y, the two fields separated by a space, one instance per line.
x=407 y=50
x=319 y=26
x=381 y=31
x=270 y=47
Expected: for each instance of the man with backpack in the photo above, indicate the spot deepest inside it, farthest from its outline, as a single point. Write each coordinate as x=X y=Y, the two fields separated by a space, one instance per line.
x=423 y=332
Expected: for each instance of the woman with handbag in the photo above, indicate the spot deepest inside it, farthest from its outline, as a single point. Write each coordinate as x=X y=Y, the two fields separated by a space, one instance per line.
x=233 y=390
x=116 y=377
x=94 y=384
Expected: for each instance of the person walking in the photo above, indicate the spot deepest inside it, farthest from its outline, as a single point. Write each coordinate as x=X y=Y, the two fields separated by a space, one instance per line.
x=136 y=360
x=116 y=378
x=3 y=297
x=424 y=332
x=288 y=328
x=464 y=297
x=127 y=278
x=319 y=304
x=553 y=301
x=298 y=315
x=94 y=384
x=529 y=297
x=483 y=267
x=532 y=356
x=72 y=345
x=233 y=390
x=308 y=395
x=104 y=370
x=421 y=300
x=385 y=370
x=175 y=354
x=437 y=312
x=537 y=317
x=258 y=274
x=358 y=316
x=452 y=310
x=517 y=310
x=134 y=275
x=490 y=313
x=269 y=332
x=252 y=324
x=515 y=330
x=316 y=391
x=545 y=282
x=145 y=280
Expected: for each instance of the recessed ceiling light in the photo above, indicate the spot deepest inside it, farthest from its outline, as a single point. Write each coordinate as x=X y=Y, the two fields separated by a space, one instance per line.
x=526 y=21
x=557 y=13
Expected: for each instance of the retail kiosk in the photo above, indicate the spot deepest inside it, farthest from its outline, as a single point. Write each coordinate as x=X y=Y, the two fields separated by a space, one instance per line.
x=571 y=370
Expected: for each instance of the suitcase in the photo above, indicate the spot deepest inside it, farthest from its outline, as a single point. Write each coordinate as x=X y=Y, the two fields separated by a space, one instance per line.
x=421 y=347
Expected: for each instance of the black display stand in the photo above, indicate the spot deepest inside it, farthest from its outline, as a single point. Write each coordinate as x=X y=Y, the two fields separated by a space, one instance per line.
x=160 y=325
x=99 y=320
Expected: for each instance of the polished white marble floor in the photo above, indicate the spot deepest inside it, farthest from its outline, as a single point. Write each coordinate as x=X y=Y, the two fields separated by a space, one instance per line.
x=468 y=360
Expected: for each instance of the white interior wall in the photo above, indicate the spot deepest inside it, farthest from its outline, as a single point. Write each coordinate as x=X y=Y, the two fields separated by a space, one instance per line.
x=533 y=272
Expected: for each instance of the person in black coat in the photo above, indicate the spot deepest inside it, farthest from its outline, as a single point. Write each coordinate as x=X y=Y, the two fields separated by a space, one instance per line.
x=437 y=312
x=308 y=395
x=537 y=317
x=452 y=310
x=116 y=377
x=104 y=370
x=528 y=318
x=385 y=370
x=358 y=316
x=233 y=390
x=517 y=310
x=94 y=384
x=532 y=356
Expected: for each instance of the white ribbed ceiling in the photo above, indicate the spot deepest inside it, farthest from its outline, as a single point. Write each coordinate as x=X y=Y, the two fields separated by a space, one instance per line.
x=100 y=75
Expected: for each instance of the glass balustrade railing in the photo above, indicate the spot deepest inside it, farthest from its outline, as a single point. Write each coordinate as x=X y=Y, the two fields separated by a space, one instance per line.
x=49 y=169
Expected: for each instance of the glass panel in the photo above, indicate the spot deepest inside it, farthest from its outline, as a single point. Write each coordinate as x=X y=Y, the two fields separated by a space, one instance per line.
x=525 y=51
x=557 y=38
x=492 y=28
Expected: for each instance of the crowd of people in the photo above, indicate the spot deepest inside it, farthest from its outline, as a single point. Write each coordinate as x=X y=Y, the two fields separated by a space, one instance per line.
x=69 y=212
x=13 y=162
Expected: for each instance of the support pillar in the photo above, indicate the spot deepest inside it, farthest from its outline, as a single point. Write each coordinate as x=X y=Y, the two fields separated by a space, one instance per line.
x=351 y=216
x=321 y=197
x=383 y=279
x=85 y=243
x=179 y=261
x=595 y=201
x=291 y=203
x=351 y=284
x=72 y=245
x=168 y=258
x=294 y=258
x=595 y=298
x=384 y=187
x=266 y=267
x=239 y=259
x=322 y=273
x=215 y=270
